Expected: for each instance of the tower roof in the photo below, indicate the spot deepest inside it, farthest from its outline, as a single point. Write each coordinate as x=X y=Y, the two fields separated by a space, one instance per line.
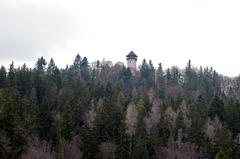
x=132 y=55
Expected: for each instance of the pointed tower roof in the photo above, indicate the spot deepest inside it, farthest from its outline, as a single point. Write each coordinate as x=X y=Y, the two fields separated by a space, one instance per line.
x=132 y=55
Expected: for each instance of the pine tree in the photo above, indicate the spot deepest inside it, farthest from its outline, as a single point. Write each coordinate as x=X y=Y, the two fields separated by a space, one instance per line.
x=3 y=77
x=160 y=82
x=51 y=67
x=23 y=76
x=11 y=75
x=40 y=65
x=44 y=119
x=216 y=108
x=85 y=69
x=10 y=120
x=77 y=62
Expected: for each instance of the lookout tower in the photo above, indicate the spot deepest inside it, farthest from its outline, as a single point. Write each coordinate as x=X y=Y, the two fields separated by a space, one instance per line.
x=132 y=62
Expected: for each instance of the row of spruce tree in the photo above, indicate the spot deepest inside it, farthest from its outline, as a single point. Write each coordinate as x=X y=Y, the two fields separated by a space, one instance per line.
x=105 y=112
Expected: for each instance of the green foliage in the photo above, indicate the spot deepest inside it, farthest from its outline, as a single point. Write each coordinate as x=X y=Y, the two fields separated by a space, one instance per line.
x=221 y=155
x=216 y=108
x=40 y=65
x=147 y=73
x=77 y=62
x=11 y=75
x=54 y=104
x=3 y=77
x=160 y=82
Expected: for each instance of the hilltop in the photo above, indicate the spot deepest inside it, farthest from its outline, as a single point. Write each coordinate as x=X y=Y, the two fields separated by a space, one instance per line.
x=106 y=110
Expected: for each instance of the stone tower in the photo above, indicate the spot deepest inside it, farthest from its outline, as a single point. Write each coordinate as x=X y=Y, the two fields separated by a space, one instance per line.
x=132 y=62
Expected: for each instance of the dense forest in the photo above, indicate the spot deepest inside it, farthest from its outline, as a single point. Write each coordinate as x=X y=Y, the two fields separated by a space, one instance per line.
x=104 y=111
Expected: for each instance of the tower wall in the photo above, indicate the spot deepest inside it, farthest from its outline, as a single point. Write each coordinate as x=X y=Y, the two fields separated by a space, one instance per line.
x=132 y=64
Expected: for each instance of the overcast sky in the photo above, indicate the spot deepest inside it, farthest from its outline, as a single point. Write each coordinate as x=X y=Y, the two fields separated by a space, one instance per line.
x=166 y=31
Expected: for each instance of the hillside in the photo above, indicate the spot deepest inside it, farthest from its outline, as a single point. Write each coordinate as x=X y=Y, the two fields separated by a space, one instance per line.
x=105 y=111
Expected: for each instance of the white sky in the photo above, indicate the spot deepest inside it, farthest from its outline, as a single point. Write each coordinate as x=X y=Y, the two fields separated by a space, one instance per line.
x=166 y=31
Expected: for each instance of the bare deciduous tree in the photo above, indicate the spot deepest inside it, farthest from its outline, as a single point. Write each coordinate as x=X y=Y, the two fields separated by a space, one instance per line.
x=107 y=150
x=152 y=120
x=211 y=128
x=90 y=117
x=174 y=90
x=151 y=94
x=38 y=149
x=131 y=119
x=180 y=150
x=186 y=151
x=238 y=139
x=186 y=114
x=134 y=92
x=71 y=150
x=171 y=116
x=5 y=147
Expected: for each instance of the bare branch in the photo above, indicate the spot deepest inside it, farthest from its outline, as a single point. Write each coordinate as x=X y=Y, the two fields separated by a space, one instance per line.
x=107 y=150
x=131 y=119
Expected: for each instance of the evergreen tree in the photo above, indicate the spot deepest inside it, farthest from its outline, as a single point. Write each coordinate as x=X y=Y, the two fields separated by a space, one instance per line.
x=85 y=69
x=118 y=115
x=144 y=70
x=45 y=120
x=152 y=73
x=40 y=65
x=3 y=77
x=10 y=120
x=160 y=82
x=175 y=75
x=23 y=76
x=51 y=67
x=77 y=62
x=168 y=77
x=147 y=73
x=216 y=108
x=126 y=76
x=11 y=75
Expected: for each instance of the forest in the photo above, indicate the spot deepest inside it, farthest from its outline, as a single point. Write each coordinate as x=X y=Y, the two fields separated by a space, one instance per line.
x=103 y=111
